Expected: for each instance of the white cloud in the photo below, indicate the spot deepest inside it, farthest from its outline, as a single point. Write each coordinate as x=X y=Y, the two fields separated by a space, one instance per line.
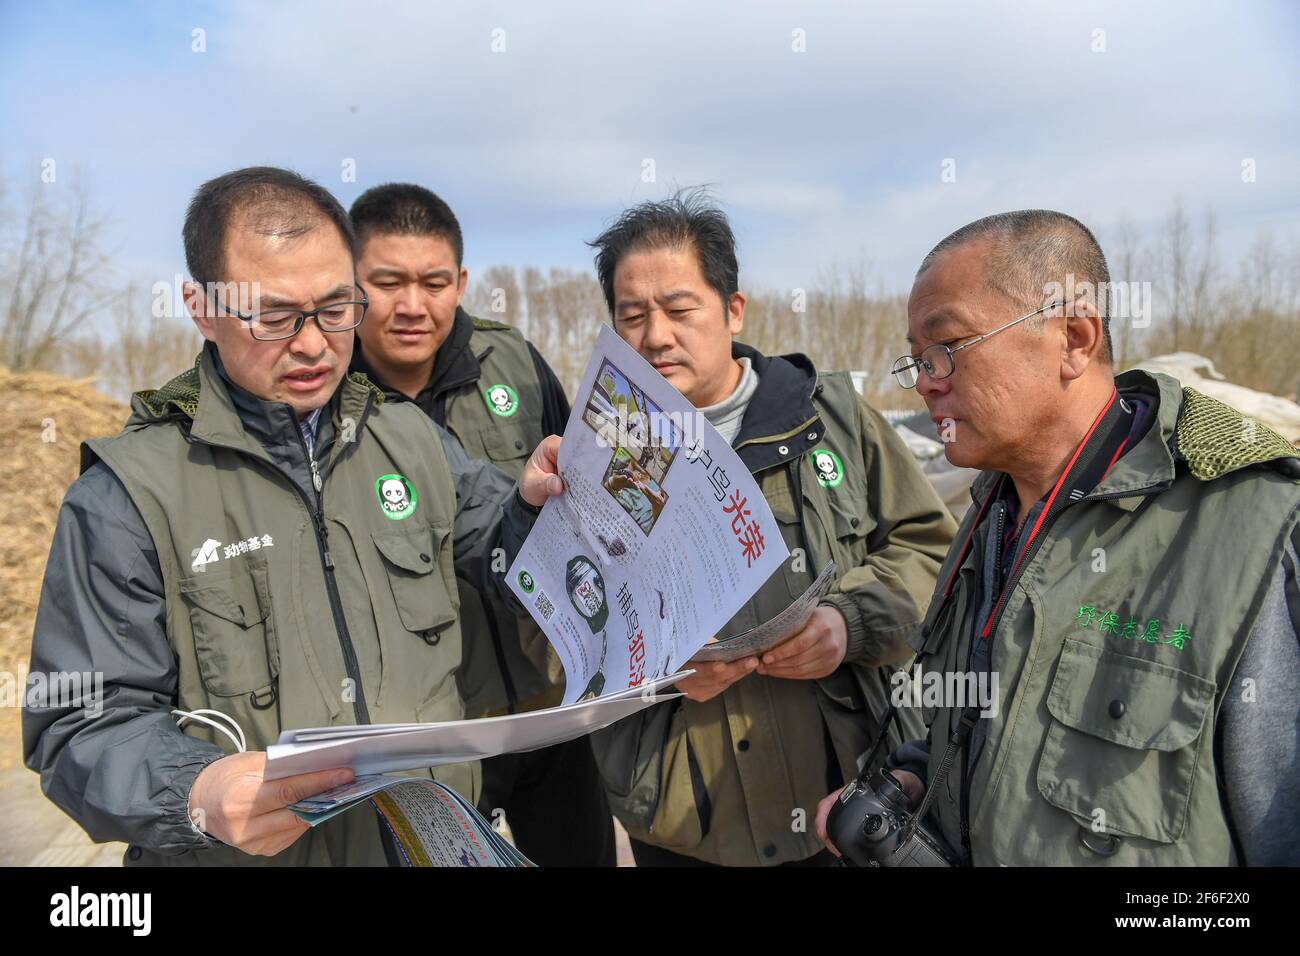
x=831 y=153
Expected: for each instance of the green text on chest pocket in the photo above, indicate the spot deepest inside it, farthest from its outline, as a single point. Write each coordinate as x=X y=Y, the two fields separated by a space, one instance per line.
x=1124 y=739
x=419 y=591
x=234 y=637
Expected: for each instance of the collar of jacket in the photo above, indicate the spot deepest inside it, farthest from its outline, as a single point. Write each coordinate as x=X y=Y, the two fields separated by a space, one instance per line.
x=455 y=364
x=1147 y=468
x=781 y=415
x=221 y=413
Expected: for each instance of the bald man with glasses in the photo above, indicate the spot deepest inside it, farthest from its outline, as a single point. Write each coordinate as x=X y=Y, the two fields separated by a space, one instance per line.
x=1127 y=572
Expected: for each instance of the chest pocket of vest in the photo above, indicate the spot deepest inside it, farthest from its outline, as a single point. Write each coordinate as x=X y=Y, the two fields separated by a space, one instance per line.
x=411 y=561
x=234 y=638
x=506 y=442
x=1136 y=767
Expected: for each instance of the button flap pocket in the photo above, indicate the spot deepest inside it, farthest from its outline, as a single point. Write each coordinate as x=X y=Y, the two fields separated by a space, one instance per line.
x=222 y=598
x=1122 y=745
x=504 y=442
x=421 y=598
x=416 y=552
x=1128 y=700
x=851 y=519
x=234 y=641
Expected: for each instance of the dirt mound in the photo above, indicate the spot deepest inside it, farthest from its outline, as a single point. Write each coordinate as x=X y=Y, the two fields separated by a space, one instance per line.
x=43 y=420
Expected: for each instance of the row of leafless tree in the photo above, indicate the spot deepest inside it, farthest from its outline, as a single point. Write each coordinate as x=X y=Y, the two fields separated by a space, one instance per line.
x=61 y=308
x=1184 y=298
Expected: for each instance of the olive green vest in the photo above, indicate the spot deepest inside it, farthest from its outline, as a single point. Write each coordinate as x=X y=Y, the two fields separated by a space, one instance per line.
x=255 y=629
x=1116 y=649
x=504 y=432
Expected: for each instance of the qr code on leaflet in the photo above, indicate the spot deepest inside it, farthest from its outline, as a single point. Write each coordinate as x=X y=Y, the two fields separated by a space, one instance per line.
x=544 y=605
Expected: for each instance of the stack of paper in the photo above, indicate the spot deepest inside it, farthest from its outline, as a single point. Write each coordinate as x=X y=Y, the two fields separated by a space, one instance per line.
x=382 y=748
x=769 y=634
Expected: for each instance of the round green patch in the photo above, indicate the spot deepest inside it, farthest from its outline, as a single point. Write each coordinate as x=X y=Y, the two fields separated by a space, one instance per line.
x=501 y=400
x=396 y=495
x=828 y=467
x=526 y=582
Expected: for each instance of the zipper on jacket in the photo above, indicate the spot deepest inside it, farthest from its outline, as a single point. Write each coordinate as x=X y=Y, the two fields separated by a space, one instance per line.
x=350 y=664
x=317 y=512
x=1018 y=571
x=998 y=571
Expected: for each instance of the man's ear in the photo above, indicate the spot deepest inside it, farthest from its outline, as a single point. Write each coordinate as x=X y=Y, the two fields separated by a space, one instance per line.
x=462 y=284
x=196 y=303
x=1083 y=338
x=736 y=312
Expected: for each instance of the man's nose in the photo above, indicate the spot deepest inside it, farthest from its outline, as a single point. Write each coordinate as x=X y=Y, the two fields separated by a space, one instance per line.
x=310 y=342
x=658 y=332
x=929 y=387
x=409 y=302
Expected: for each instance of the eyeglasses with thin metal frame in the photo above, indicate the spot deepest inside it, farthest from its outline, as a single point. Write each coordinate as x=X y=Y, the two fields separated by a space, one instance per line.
x=274 y=324
x=938 y=361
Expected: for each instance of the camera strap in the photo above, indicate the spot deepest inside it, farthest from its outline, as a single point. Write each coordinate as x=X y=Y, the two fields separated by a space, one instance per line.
x=890 y=714
x=956 y=741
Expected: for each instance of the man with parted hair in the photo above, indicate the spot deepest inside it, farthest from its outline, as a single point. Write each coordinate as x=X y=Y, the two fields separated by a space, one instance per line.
x=1127 y=568
x=490 y=388
x=267 y=545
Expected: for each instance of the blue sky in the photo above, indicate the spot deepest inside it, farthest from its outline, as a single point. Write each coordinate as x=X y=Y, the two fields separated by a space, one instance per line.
x=833 y=154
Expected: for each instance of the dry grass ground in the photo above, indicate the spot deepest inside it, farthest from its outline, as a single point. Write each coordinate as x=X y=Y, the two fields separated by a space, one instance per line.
x=43 y=420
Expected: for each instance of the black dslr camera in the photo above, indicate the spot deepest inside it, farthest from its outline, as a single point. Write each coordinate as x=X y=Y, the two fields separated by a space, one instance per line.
x=870 y=825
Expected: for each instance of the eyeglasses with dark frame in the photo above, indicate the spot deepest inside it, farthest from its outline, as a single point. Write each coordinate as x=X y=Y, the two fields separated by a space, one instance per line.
x=272 y=325
x=938 y=361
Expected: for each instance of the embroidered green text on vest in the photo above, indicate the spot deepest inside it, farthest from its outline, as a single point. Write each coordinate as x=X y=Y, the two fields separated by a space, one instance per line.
x=1108 y=622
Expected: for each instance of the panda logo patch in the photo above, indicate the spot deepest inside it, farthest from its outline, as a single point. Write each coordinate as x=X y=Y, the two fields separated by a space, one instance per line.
x=501 y=400
x=829 y=468
x=396 y=496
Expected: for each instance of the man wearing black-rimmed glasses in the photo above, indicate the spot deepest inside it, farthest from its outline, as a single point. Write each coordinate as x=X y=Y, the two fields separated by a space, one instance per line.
x=266 y=546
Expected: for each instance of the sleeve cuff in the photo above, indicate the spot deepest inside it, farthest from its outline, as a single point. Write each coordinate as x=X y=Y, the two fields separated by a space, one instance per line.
x=855 y=650
x=178 y=832
x=527 y=508
x=871 y=646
